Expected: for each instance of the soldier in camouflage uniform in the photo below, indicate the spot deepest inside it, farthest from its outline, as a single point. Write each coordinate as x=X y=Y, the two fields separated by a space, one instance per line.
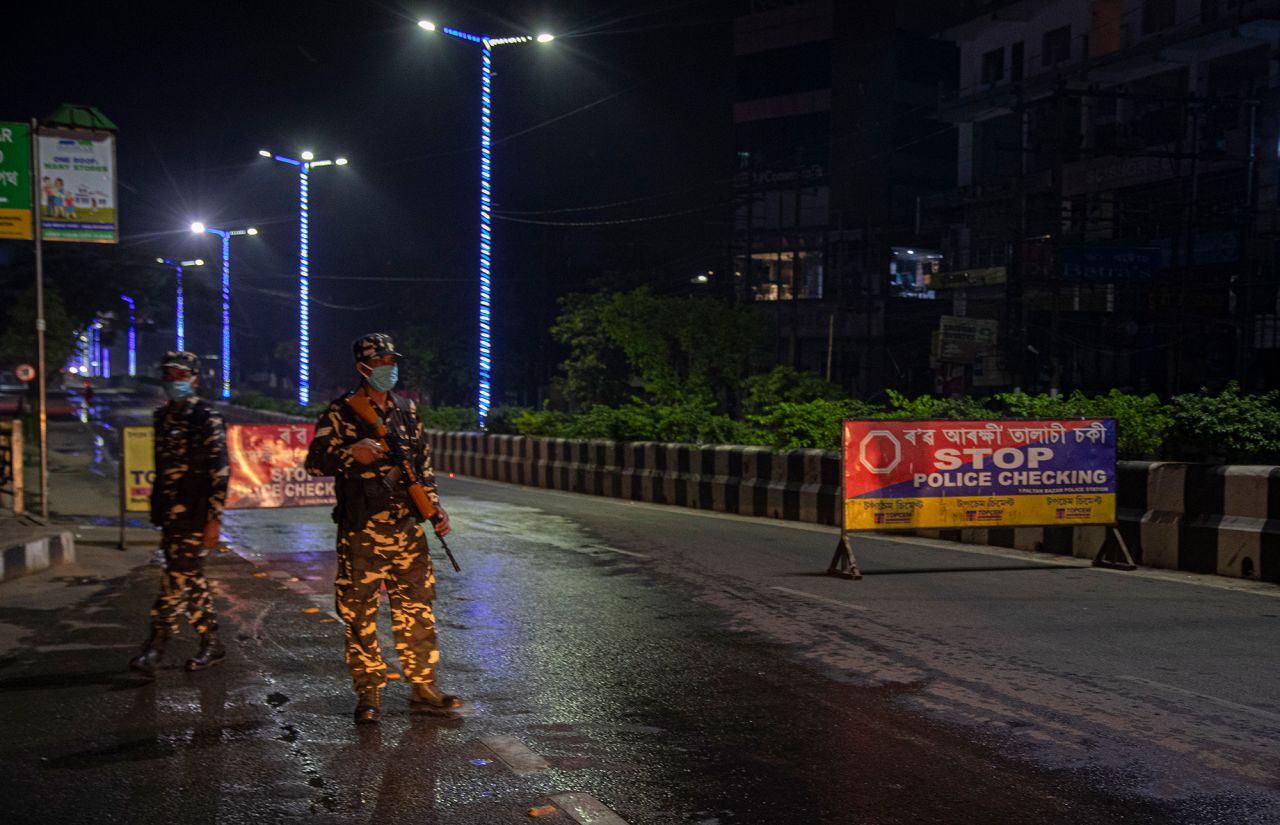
x=186 y=503
x=380 y=539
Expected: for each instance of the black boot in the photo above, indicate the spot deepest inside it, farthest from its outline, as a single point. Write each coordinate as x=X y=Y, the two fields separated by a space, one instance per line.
x=148 y=660
x=211 y=652
x=429 y=697
x=368 y=706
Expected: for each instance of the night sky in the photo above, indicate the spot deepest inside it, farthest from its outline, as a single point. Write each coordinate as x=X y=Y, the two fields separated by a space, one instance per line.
x=630 y=104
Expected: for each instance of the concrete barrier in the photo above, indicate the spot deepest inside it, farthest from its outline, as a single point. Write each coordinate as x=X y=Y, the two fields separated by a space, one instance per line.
x=1200 y=518
x=26 y=550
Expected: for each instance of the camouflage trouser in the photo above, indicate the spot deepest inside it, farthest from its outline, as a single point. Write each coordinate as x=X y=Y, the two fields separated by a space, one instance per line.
x=184 y=586
x=395 y=553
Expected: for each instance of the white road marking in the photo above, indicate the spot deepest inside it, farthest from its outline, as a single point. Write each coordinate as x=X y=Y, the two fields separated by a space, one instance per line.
x=585 y=809
x=514 y=754
x=805 y=595
x=616 y=550
x=1251 y=711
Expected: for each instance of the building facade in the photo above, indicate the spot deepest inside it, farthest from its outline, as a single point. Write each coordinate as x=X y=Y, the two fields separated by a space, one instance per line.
x=836 y=141
x=1112 y=221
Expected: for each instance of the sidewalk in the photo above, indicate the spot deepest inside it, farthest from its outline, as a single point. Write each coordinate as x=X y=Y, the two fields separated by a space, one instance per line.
x=83 y=498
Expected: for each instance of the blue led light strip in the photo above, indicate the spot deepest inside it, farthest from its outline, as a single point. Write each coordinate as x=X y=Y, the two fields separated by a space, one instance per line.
x=226 y=313
x=486 y=228
x=182 y=338
x=304 y=291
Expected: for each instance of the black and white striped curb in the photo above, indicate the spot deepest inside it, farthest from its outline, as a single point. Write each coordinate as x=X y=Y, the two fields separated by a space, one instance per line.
x=1218 y=519
x=36 y=552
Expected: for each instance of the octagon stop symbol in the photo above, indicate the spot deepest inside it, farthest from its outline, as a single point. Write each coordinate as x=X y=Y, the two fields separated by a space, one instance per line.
x=876 y=458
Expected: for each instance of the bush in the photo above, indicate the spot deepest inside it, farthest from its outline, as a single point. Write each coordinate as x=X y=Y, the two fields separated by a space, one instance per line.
x=691 y=421
x=464 y=419
x=810 y=424
x=785 y=384
x=926 y=408
x=1230 y=427
x=1141 y=420
x=502 y=419
x=544 y=423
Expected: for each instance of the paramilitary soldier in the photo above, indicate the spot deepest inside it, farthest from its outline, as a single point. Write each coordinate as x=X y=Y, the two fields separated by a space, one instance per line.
x=186 y=503
x=380 y=537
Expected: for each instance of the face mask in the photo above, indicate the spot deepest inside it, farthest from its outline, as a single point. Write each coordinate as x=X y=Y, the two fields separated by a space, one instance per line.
x=384 y=378
x=178 y=390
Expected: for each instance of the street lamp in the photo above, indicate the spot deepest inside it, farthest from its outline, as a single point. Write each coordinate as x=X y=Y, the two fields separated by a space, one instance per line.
x=225 y=235
x=180 y=319
x=133 y=338
x=486 y=43
x=305 y=165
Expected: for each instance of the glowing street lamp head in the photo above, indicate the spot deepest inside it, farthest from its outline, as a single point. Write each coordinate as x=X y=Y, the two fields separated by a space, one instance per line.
x=264 y=153
x=197 y=227
x=198 y=262
x=159 y=260
x=341 y=162
x=426 y=25
x=546 y=38
x=308 y=155
x=253 y=230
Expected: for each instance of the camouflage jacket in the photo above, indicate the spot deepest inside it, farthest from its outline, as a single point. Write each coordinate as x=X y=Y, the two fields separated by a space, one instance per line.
x=191 y=465
x=364 y=490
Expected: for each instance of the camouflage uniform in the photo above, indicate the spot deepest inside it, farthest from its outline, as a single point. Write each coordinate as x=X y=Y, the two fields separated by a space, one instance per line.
x=189 y=492
x=379 y=538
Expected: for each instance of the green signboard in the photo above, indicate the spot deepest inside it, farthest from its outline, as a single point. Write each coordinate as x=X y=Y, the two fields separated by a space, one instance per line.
x=15 y=181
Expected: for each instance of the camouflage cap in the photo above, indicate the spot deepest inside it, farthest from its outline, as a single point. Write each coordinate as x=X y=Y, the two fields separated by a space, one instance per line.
x=373 y=345
x=188 y=361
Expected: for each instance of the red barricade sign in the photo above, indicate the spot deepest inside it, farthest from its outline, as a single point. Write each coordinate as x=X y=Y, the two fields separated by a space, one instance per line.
x=946 y=474
x=267 y=468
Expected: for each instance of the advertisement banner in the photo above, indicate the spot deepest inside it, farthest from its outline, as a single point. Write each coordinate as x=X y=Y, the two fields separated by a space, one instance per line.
x=1112 y=264
x=15 y=181
x=984 y=276
x=77 y=186
x=138 y=463
x=945 y=474
x=963 y=340
x=267 y=468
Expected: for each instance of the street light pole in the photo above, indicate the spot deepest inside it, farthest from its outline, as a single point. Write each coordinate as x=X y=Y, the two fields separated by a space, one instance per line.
x=305 y=165
x=180 y=312
x=225 y=235
x=484 y=394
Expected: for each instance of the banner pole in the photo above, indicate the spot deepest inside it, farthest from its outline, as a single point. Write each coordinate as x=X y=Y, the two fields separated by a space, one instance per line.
x=42 y=406
x=123 y=489
x=843 y=563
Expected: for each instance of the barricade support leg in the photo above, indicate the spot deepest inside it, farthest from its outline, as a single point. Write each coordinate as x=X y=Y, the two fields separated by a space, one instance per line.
x=1114 y=555
x=843 y=563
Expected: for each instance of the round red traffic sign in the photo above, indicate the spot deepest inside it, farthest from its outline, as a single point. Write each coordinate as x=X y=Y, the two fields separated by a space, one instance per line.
x=25 y=372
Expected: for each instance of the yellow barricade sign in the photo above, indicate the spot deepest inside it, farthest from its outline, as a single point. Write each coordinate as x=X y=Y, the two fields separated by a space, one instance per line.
x=138 y=466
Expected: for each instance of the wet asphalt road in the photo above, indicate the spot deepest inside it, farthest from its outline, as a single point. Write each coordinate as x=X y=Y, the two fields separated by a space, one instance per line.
x=677 y=667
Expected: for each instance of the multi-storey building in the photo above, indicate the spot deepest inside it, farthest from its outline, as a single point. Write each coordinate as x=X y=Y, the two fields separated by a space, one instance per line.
x=1113 y=219
x=836 y=143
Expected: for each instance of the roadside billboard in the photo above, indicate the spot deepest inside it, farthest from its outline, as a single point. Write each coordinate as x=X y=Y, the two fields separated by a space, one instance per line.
x=15 y=181
x=77 y=186
x=947 y=474
x=138 y=466
x=267 y=468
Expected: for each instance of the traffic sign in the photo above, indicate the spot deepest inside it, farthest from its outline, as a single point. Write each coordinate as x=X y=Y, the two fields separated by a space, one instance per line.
x=25 y=372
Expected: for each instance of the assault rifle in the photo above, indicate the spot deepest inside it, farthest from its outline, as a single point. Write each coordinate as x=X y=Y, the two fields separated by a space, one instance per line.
x=359 y=402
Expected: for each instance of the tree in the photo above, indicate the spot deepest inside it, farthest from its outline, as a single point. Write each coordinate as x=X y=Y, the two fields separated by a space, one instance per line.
x=18 y=339
x=676 y=348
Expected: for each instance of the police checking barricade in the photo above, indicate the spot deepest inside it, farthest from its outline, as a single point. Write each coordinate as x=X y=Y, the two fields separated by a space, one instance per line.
x=186 y=504
x=371 y=441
